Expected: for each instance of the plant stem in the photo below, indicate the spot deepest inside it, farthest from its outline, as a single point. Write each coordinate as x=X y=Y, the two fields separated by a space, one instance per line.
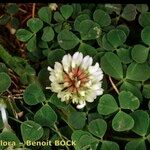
x=117 y=84
x=113 y=85
x=28 y=110
x=68 y=124
x=58 y=132
x=124 y=139
x=22 y=10
x=33 y=10
x=15 y=120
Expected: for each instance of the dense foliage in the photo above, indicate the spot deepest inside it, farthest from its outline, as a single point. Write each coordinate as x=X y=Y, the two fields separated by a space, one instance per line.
x=114 y=35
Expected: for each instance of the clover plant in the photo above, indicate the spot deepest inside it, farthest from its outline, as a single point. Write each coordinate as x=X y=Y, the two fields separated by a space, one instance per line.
x=115 y=36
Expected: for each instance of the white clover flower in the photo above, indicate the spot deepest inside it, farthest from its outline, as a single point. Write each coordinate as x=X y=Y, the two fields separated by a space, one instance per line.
x=76 y=80
x=53 y=6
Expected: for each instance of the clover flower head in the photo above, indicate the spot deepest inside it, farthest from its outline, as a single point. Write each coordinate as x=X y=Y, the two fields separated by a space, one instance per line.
x=76 y=80
x=53 y=6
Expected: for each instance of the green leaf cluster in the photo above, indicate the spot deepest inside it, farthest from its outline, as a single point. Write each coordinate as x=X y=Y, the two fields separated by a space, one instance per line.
x=117 y=36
